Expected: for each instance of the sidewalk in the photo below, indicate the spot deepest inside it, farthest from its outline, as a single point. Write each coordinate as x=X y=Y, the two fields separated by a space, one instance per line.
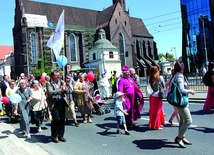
x=13 y=143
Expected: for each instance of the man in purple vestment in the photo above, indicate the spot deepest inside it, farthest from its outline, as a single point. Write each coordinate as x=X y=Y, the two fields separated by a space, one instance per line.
x=132 y=95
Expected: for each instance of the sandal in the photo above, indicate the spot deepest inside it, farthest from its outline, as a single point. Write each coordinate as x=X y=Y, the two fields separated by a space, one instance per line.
x=179 y=142
x=185 y=141
x=171 y=123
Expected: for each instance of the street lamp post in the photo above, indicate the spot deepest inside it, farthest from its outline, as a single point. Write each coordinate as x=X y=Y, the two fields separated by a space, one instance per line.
x=204 y=35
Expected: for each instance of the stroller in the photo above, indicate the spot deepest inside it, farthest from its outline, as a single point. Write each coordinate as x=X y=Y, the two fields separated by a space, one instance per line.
x=100 y=105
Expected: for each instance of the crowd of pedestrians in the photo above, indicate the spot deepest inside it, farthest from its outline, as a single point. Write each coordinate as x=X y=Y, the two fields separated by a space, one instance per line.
x=57 y=98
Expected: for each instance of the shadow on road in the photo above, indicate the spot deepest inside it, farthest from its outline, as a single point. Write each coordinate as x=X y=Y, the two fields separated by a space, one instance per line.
x=154 y=144
x=199 y=112
x=203 y=129
x=41 y=139
x=107 y=127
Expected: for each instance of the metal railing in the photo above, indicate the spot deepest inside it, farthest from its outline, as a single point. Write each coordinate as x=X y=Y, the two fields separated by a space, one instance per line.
x=195 y=83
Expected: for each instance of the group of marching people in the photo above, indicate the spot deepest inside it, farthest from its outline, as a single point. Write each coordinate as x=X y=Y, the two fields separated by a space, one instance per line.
x=51 y=98
x=32 y=98
x=57 y=99
x=130 y=101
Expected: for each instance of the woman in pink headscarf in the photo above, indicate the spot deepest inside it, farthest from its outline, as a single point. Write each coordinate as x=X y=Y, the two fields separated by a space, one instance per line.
x=132 y=95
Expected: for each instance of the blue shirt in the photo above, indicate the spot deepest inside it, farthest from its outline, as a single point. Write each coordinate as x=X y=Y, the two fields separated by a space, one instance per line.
x=118 y=105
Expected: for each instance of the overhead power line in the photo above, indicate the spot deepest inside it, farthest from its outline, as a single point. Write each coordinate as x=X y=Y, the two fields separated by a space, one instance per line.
x=164 y=21
x=161 y=15
x=165 y=30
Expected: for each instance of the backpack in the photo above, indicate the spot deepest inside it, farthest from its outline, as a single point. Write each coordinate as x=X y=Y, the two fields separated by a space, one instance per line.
x=207 y=79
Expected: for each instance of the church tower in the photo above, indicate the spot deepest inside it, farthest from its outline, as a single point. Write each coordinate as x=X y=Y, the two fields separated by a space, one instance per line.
x=122 y=2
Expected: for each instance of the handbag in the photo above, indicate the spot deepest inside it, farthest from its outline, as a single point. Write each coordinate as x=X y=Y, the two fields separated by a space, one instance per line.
x=149 y=89
x=161 y=92
x=175 y=97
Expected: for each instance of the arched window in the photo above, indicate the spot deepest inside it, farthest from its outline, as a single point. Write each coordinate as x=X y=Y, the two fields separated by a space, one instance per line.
x=94 y=56
x=33 y=48
x=72 y=47
x=111 y=55
x=144 y=49
x=122 y=48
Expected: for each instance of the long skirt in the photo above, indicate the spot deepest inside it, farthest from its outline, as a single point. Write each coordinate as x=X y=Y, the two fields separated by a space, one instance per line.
x=209 y=103
x=87 y=108
x=156 y=114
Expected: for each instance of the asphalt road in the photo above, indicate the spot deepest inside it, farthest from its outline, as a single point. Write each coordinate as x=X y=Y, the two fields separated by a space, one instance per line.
x=100 y=137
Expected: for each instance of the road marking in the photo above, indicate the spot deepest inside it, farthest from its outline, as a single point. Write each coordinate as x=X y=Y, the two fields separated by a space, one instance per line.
x=147 y=119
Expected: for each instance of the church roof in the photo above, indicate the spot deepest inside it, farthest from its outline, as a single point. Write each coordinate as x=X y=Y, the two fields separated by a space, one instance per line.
x=138 y=28
x=103 y=44
x=82 y=17
x=103 y=17
x=73 y=15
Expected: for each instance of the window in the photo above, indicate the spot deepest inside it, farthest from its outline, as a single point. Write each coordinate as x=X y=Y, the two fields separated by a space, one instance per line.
x=72 y=47
x=125 y=22
x=115 y=21
x=111 y=55
x=33 y=48
x=94 y=56
x=122 y=48
x=127 y=54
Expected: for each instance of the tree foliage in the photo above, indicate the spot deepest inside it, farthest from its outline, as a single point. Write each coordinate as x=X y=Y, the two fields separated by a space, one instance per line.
x=167 y=56
x=42 y=67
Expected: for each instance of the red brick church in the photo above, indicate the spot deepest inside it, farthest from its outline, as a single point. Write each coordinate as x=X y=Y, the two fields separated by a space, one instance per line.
x=36 y=21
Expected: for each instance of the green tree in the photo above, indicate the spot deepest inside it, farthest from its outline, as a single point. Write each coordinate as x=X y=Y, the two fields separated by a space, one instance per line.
x=42 y=67
x=160 y=55
x=170 y=56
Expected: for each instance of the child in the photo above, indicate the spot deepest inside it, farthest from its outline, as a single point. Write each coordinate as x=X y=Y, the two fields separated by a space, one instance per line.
x=120 y=113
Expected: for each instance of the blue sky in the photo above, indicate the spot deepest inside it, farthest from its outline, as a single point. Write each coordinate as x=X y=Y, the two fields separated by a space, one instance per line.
x=161 y=17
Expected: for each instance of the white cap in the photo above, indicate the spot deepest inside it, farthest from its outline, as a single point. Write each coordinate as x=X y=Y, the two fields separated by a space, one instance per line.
x=119 y=94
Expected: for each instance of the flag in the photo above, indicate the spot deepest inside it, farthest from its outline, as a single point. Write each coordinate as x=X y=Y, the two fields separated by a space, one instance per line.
x=57 y=39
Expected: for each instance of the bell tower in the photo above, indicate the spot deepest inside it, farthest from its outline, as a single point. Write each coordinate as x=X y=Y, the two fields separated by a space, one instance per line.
x=122 y=2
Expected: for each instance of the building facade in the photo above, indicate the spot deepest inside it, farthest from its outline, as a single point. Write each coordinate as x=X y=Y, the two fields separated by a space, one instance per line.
x=104 y=57
x=35 y=22
x=6 y=53
x=198 y=32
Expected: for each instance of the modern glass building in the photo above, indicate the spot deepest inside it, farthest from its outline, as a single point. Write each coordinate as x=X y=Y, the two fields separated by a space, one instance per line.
x=197 y=37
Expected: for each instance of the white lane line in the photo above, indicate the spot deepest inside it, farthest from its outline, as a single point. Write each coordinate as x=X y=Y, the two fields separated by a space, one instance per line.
x=147 y=119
